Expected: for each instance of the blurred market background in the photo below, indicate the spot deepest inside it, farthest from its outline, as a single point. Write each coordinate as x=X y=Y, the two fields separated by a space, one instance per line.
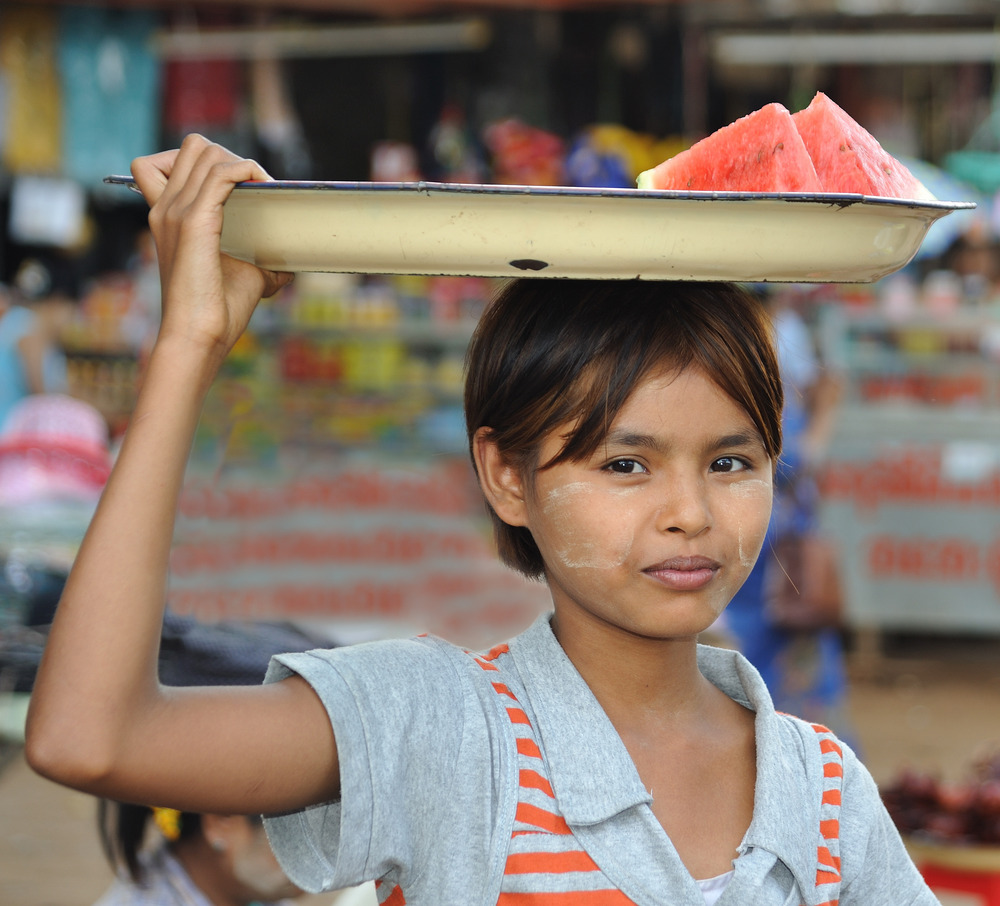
x=328 y=495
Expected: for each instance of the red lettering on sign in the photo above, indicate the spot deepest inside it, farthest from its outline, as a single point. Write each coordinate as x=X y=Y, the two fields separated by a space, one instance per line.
x=206 y=554
x=993 y=565
x=914 y=476
x=952 y=559
x=443 y=491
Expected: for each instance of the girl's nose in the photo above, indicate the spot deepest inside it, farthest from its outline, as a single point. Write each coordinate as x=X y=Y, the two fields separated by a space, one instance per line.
x=686 y=510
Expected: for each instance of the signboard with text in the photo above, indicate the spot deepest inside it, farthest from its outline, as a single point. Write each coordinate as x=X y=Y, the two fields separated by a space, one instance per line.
x=914 y=505
x=365 y=550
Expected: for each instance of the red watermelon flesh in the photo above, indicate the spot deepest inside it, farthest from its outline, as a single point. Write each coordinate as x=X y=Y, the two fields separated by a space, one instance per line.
x=848 y=158
x=760 y=152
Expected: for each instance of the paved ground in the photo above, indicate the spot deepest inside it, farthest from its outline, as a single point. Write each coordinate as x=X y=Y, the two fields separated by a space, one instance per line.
x=929 y=707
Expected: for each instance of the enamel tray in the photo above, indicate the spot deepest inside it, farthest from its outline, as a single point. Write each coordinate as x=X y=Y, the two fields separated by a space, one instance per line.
x=506 y=231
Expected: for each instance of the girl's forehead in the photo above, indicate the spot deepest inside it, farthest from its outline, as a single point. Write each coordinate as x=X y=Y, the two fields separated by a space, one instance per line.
x=674 y=389
x=665 y=396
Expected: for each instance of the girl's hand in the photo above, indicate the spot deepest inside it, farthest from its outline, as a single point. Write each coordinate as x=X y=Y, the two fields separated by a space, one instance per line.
x=208 y=297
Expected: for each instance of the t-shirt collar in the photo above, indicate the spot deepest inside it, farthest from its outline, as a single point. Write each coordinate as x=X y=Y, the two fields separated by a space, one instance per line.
x=576 y=734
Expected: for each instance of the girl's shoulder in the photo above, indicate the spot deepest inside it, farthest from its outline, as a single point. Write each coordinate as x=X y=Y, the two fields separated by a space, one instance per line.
x=421 y=673
x=831 y=766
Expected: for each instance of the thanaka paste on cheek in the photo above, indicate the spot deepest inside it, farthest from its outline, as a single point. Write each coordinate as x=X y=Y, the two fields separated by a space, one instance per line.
x=579 y=549
x=745 y=559
x=752 y=487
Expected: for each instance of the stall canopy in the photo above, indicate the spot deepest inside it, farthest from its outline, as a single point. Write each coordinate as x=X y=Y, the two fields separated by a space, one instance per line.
x=394 y=7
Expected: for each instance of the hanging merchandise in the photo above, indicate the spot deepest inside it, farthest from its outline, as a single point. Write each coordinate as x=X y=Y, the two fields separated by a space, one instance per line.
x=609 y=156
x=30 y=134
x=524 y=155
x=452 y=152
x=279 y=131
x=606 y=155
x=110 y=85
x=201 y=95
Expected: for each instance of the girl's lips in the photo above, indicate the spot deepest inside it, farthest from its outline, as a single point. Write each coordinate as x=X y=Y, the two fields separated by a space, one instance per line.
x=684 y=573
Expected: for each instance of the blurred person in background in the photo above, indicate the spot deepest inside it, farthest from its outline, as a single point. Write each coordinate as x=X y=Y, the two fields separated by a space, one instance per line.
x=33 y=315
x=803 y=666
x=198 y=860
x=165 y=857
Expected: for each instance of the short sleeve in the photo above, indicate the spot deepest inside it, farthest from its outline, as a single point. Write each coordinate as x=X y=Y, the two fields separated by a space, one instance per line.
x=413 y=745
x=876 y=867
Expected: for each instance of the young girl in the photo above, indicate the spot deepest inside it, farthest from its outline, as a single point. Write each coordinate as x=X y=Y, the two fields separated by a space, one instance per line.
x=625 y=436
x=204 y=860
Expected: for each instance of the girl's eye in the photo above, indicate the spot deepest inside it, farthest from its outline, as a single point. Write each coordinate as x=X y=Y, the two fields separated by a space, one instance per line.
x=626 y=467
x=729 y=464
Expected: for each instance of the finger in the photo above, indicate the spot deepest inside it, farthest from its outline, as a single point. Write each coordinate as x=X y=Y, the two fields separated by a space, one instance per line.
x=156 y=172
x=217 y=172
x=208 y=174
x=265 y=283
x=275 y=281
x=151 y=173
x=162 y=176
x=185 y=170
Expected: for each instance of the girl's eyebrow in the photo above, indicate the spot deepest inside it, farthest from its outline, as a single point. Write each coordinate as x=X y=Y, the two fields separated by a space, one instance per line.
x=739 y=439
x=623 y=437
x=632 y=439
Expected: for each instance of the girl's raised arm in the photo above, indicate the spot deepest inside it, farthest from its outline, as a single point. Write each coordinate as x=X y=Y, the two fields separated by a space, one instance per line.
x=99 y=719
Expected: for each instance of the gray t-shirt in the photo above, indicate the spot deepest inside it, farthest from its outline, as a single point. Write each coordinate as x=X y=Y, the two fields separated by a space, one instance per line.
x=431 y=778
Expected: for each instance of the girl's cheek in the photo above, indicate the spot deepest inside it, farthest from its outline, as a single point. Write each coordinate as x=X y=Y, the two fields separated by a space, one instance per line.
x=750 y=509
x=588 y=533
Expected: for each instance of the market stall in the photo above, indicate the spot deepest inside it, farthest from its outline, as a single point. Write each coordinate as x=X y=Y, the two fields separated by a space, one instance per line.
x=911 y=484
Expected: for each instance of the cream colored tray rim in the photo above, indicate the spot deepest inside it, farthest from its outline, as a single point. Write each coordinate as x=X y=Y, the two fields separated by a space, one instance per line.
x=556 y=231
x=426 y=188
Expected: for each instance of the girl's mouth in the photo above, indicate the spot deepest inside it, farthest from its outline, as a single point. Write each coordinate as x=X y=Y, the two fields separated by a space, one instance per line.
x=684 y=573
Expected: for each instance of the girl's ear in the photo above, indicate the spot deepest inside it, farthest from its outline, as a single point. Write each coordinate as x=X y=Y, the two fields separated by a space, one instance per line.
x=501 y=482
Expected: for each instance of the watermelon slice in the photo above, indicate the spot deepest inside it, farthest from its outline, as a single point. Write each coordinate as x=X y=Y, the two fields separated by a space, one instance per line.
x=848 y=158
x=819 y=149
x=760 y=152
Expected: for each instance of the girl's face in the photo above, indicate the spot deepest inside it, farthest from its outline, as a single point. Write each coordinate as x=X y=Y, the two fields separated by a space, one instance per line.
x=656 y=531
x=256 y=869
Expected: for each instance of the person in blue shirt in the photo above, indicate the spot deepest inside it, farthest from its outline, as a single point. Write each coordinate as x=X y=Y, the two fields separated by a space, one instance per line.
x=32 y=318
x=803 y=668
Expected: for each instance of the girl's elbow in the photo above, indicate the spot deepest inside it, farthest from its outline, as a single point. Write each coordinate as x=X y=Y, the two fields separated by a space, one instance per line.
x=65 y=758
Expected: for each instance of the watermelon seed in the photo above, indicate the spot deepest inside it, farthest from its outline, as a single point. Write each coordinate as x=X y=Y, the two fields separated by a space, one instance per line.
x=779 y=147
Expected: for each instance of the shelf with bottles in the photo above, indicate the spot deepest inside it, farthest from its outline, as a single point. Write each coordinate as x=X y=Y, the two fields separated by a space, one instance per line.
x=441 y=311
x=369 y=335
x=346 y=363
x=106 y=379
x=254 y=416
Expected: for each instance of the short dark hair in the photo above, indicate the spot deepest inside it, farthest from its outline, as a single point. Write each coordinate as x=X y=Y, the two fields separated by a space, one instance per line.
x=548 y=353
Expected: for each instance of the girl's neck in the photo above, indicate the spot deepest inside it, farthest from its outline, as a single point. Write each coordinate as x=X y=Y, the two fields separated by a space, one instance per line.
x=637 y=679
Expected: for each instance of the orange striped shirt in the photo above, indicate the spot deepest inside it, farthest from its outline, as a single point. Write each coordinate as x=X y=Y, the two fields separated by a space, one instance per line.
x=498 y=779
x=546 y=864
